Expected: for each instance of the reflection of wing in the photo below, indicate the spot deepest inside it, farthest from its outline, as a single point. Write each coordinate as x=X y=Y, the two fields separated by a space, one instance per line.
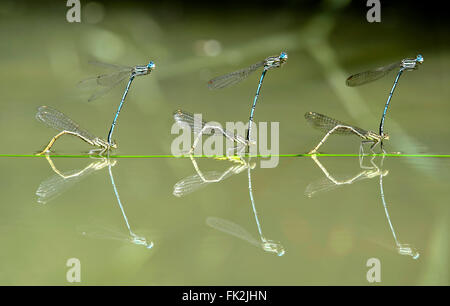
x=327 y=184
x=54 y=186
x=232 y=229
x=101 y=232
x=195 y=182
x=321 y=185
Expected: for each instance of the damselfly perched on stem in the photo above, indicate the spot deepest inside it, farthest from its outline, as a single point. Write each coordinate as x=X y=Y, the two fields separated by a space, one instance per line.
x=199 y=128
x=237 y=76
x=105 y=82
x=377 y=73
x=330 y=126
x=60 y=122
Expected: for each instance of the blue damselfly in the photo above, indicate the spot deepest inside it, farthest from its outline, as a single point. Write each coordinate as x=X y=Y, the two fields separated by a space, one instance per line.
x=377 y=73
x=105 y=82
x=237 y=76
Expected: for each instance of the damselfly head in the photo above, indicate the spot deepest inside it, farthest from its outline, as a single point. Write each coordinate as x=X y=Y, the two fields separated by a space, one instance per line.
x=412 y=63
x=283 y=57
x=419 y=59
x=141 y=241
x=385 y=136
x=151 y=65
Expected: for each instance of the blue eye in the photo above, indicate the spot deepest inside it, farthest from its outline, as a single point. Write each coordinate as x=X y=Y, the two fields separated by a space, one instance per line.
x=283 y=55
x=419 y=58
x=151 y=65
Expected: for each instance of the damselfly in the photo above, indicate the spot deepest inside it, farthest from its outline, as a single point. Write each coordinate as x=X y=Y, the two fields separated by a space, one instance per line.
x=199 y=128
x=96 y=231
x=402 y=248
x=133 y=238
x=330 y=126
x=375 y=74
x=60 y=122
x=236 y=230
x=239 y=75
x=266 y=244
x=103 y=232
x=105 y=82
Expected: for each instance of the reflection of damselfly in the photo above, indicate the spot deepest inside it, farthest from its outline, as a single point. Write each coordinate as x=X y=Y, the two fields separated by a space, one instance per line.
x=96 y=231
x=329 y=182
x=375 y=74
x=333 y=126
x=61 y=181
x=104 y=232
x=60 y=122
x=402 y=248
x=200 y=128
x=238 y=231
x=105 y=82
x=199 y=180
x=235 y=77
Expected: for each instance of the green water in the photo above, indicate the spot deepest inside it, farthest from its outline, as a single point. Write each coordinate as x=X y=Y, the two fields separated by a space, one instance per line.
x=327 y=238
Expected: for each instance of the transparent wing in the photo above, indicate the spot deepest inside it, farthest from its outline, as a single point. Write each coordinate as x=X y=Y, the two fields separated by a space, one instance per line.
x=104 y=80
x=326 y=184
x=102 y=84
x=186 y=119
x=110 y=66
x=325 y=124
x=101 y=232
x=233 y=77
x=60 y=122
x=195 y=182
x=371 y=75
x=231 y=228
x=54 y=186
x=319 y=186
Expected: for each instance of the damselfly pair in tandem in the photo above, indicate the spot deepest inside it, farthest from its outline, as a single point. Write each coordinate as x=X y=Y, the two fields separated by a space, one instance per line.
x=333 y=126
x=186 y=119
x=103 y=83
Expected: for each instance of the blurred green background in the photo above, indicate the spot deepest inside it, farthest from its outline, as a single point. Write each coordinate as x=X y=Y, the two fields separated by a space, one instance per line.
x=328 y=238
